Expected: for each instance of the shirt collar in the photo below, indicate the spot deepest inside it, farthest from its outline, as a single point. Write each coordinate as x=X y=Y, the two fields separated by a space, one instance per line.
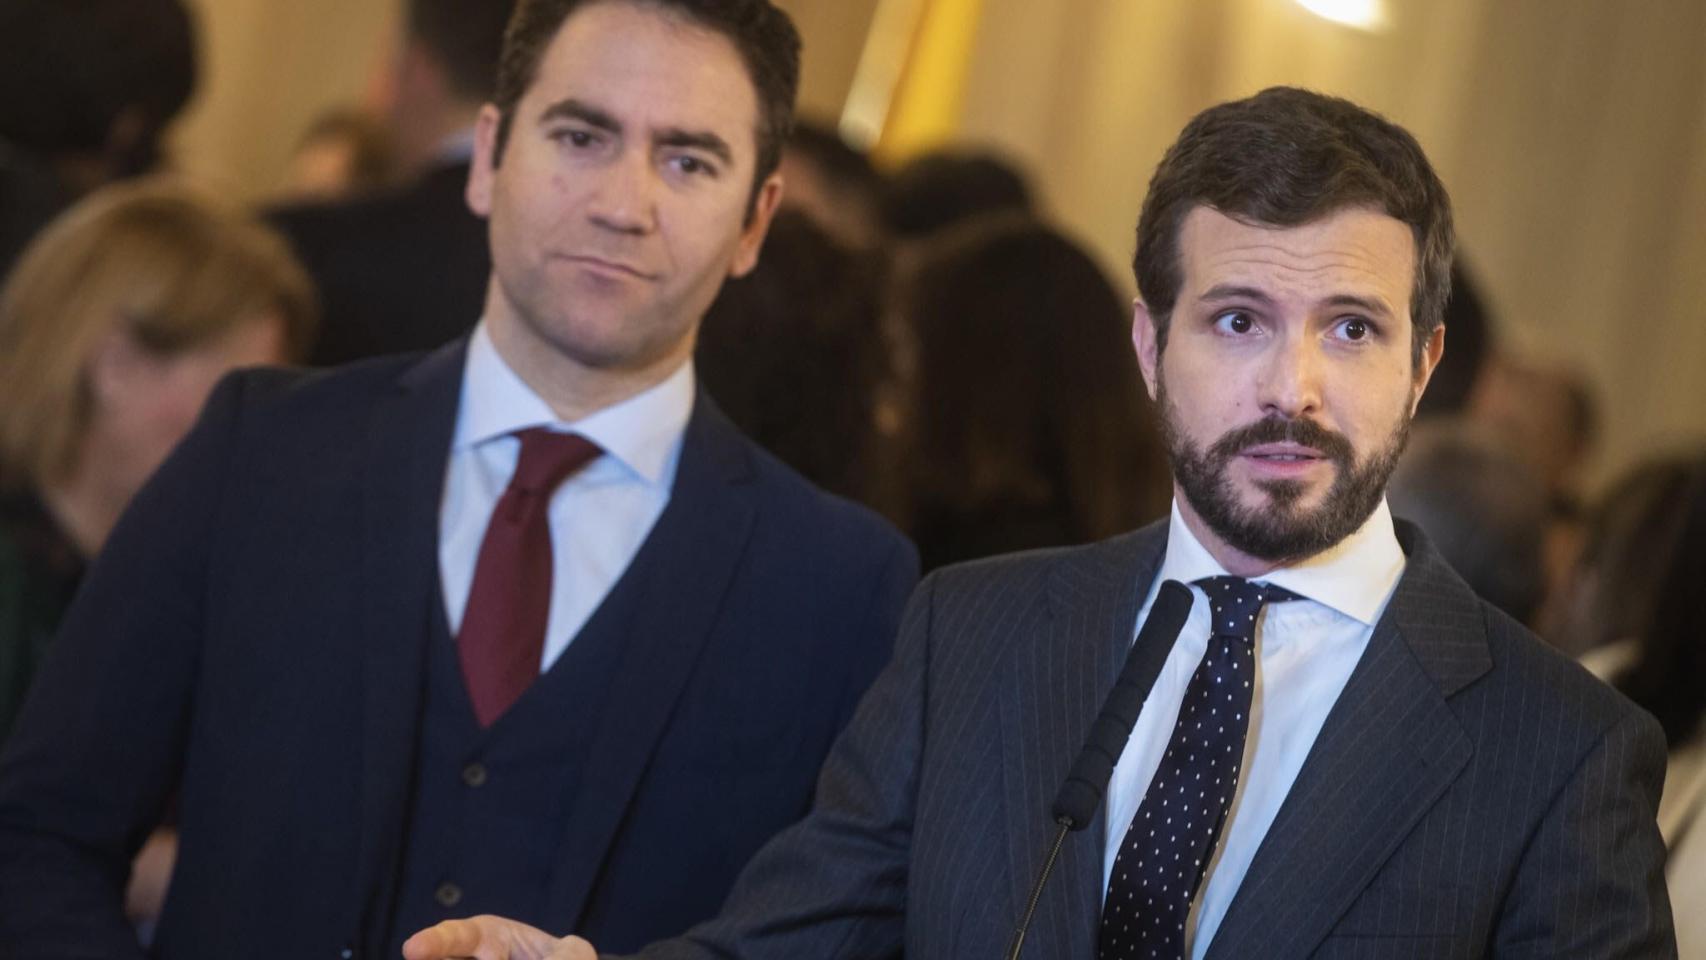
x=1354 y=576
x=642 y=432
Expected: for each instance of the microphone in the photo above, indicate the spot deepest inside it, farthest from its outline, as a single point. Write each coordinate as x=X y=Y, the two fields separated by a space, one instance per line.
x=1088 y=780
x=1082 y=791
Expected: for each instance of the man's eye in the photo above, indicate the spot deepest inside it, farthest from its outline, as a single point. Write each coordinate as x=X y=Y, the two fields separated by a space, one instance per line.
x=691 y=165
x=1234 y=321
x=1355 y=328
x=574 y=138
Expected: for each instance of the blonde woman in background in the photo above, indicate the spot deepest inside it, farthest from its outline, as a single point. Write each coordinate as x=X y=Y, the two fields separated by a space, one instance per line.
x=114 y=326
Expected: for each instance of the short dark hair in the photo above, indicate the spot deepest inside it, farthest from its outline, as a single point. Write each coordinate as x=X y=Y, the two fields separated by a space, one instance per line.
x=804 y=382
x=466 y=37
x=1469 y=318
x=820 y=143
x=947 y=187
x=70 y=68
x=1029 y=426
x=1667 y=676
x=765 y=37
x=1286 y=157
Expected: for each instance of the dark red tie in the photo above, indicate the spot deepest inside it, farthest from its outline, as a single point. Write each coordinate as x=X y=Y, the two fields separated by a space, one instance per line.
x=503 y=628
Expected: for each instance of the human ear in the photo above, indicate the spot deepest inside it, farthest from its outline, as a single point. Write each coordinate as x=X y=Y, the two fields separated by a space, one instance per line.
x=479 y=190
x=1427 y=364
x=764 y=206
x=1145 y=340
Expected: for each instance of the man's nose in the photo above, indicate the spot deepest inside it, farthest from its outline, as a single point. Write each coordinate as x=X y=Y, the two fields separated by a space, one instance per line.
x=1289 y=382
x=625 y=196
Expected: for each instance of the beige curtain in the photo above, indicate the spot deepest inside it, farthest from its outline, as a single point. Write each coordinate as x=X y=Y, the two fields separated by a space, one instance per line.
x=269 y=68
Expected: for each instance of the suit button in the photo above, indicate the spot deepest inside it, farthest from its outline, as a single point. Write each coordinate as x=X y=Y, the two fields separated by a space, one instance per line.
x=474 y=775
x=347 y=953
x=448 y=894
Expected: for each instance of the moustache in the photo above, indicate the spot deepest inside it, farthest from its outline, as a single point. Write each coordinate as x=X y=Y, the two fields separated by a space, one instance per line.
x=1306 y=433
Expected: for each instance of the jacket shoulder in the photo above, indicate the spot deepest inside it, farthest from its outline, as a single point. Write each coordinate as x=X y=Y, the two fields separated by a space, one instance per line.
x=1118 y=567
x=839 y=525
x=1579 y=702
x=280 y=396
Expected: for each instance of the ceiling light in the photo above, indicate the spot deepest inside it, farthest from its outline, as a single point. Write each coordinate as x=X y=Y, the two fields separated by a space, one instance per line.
x=1361 y=14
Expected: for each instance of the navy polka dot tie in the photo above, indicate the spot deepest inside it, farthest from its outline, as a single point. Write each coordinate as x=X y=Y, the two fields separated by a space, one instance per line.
x=1172 y=837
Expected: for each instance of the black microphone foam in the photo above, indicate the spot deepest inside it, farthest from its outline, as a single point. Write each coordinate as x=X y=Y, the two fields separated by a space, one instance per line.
x=1084 y=786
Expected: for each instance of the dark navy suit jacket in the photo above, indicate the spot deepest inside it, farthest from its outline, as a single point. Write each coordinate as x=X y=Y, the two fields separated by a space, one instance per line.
x=252 y=639
x=1472 y=793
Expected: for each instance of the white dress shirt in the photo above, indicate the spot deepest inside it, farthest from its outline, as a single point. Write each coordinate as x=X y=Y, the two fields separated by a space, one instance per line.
x=1305 y=651
x=599 y=517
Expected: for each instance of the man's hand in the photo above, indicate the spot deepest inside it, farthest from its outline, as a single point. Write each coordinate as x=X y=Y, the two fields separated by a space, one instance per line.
x=493 y=938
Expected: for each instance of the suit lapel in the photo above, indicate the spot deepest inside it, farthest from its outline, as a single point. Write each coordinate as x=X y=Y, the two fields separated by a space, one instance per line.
x=1053 y=691
x=691 y=556
x=1388 y=750
x=407 y=449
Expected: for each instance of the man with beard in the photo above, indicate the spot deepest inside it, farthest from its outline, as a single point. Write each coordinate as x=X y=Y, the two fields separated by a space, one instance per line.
x=1344 y=753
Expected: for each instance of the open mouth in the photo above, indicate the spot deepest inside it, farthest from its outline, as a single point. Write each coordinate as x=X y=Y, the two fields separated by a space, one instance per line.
x=1283 y=453
x=1283 y=459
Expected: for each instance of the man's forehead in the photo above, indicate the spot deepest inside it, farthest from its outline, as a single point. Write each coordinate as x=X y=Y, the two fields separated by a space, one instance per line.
x=644 y=64
x=1351 y=246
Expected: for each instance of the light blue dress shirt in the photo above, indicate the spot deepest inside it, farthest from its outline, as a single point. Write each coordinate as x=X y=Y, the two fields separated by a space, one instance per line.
x=599 y=517
x=1305 y=651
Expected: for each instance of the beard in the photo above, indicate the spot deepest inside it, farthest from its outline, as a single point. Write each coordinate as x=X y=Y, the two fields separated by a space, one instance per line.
x=1282 y=529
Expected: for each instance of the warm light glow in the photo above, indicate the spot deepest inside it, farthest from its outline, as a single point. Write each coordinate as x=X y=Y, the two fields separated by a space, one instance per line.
x=881 y=64
x=1361 y=14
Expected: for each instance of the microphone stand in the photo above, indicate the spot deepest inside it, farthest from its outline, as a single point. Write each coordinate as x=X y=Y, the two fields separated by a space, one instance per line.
x=1079 y=796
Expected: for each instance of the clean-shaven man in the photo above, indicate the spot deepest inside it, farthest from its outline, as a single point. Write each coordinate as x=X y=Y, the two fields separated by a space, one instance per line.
x=523 y=625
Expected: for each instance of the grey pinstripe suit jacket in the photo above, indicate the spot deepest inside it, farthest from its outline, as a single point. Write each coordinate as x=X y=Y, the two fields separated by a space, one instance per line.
x=1472 y=794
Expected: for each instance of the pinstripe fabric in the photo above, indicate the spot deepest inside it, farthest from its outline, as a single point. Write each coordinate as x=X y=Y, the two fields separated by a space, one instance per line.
x=1472 y=794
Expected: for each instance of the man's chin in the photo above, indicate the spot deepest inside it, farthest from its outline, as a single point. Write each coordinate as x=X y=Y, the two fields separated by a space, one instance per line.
x=1283 y=497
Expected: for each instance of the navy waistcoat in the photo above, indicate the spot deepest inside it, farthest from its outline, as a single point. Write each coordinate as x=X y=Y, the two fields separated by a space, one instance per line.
x=490 y=806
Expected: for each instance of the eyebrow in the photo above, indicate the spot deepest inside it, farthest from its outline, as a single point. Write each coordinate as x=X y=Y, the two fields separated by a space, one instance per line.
x=1370 y=305
x=592 y=116
x=697 y=140
x=572 y=109
x=1232 y=291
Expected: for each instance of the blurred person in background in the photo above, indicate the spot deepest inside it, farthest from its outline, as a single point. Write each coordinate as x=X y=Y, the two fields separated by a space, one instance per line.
x=1548 y=414
x=1545 y=412
x=945 y=187
x=1469 y=328
x=1028 y=425
x=1663 y=668
x=343 y=154
x=406 y=269
x=114 y=327
x=1483 y=507
x=794 y=354
x=87 y=90
x=834 y=184
x=1609 y=593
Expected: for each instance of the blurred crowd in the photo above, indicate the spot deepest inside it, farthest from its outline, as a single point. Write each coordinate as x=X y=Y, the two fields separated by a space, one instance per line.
x=922 y=339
